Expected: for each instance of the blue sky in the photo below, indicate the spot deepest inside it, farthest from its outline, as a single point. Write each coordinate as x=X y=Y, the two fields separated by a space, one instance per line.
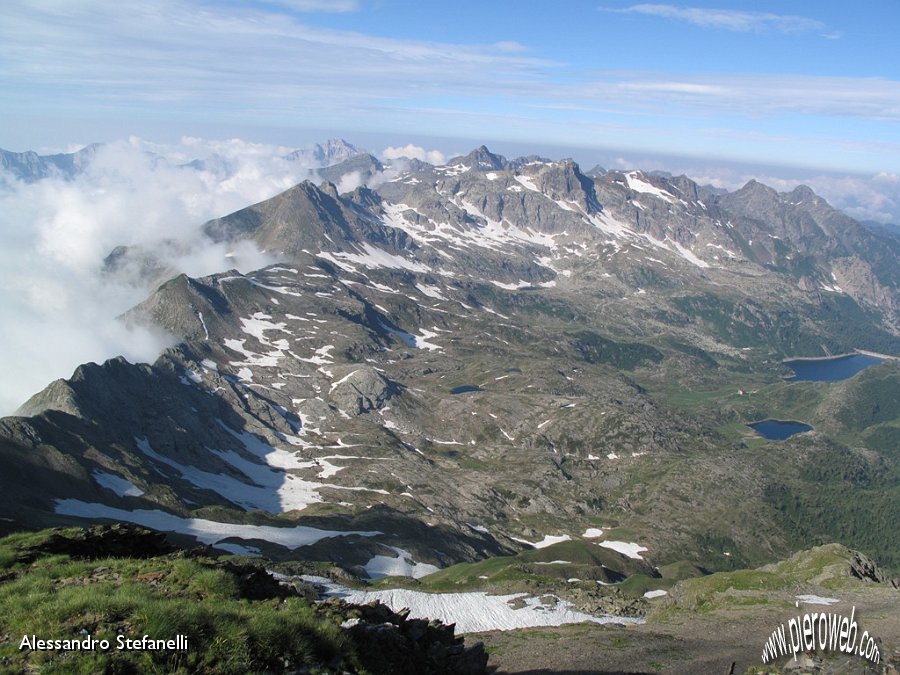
x=781 y=83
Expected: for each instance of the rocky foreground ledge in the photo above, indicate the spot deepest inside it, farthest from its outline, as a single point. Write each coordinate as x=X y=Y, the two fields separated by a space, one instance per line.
x=69 y=587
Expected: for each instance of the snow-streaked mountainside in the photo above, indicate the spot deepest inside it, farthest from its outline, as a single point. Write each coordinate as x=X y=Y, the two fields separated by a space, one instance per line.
x=461 y=359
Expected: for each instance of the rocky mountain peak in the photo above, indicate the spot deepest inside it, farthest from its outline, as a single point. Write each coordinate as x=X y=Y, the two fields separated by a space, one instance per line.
x=803 y=193
x=332 y=151
x=753 y=188
x=359 y=169
x=688 y=188
x=334 y=148
x=302 y=217
x=481 y=159
x=563 y=181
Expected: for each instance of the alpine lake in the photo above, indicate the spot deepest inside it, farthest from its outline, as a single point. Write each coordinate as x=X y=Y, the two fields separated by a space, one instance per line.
x=813 y=370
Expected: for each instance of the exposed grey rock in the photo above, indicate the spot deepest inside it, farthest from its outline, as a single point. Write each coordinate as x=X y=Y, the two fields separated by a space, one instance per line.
x=863 y=567
x=363 y=390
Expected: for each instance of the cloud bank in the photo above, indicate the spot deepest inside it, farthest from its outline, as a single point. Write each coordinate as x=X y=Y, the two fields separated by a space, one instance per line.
x=57 y=307
x=411 y=151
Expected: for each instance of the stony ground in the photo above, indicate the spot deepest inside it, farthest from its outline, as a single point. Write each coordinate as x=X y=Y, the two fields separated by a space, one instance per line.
x=701 y=643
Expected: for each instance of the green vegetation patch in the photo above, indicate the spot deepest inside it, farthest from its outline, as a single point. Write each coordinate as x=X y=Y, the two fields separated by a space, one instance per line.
x=873 y=397
x=57 y=597
x=749 y=324
x=885 y=439
x=820 y=565
x=713 y=591
x=835 y=324
x=595 y=348
x=638 y=584
x=550 y=565
x=864 y=518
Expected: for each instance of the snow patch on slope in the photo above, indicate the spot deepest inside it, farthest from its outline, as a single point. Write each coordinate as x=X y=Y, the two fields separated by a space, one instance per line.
x=401 y=566
x=119 y=485
x=206 y=531
x=373 y=258
x=639 y=185
x=629 y=549
x=549 y=540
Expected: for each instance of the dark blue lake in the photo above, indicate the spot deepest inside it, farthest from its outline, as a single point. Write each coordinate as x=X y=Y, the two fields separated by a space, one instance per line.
x=776 y=430
x=465 y=388
x=830 y=370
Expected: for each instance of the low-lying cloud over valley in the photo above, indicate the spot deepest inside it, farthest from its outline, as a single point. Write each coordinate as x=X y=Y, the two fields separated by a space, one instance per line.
x=57 y=307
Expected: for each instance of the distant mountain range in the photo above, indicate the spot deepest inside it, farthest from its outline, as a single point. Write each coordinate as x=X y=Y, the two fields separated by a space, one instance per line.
x=30 y=166
x=890 y=227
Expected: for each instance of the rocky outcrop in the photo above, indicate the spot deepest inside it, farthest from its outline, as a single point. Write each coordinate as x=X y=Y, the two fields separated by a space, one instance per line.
x=391 y=642
x=363 y=390
x=103 y=541
x=598 y=603
x=861 y=566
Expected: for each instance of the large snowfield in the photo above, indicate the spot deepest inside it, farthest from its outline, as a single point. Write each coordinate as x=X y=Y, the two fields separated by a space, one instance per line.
x=474 y=612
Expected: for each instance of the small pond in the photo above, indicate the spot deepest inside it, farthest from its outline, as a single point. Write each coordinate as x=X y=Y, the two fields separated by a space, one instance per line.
x=776 y=430
x=465 y=388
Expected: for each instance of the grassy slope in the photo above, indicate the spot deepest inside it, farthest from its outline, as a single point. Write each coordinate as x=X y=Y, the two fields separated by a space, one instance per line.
x=111 y=581
x=58 y=597
x=823 y=567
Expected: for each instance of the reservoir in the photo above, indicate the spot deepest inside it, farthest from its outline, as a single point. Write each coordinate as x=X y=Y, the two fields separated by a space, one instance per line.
x=776 y=430
x=830 y=370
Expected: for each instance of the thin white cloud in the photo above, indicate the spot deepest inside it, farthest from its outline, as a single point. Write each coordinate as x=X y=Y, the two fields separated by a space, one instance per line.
x=510 y=46
x=676 y=88
x=331 y=6
x=349 y=182
x=751 y=95
x=728 y=19
x=411 y=151
x=177 y=52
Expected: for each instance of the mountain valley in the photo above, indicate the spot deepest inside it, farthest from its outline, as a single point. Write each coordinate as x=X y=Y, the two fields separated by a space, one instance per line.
x=493 y=375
